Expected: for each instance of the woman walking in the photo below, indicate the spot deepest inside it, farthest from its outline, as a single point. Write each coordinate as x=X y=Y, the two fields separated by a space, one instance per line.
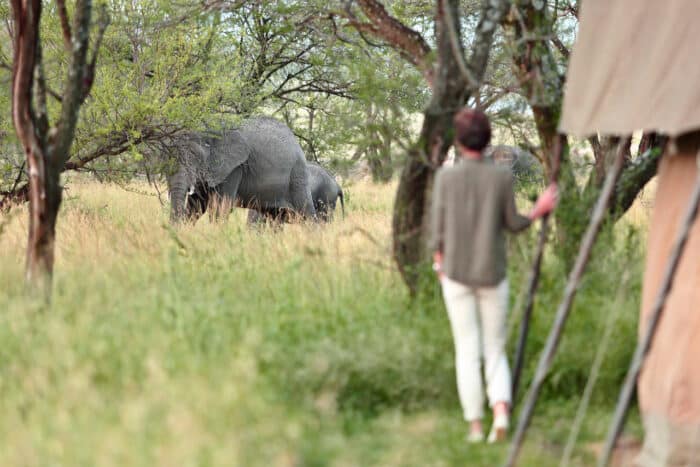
x=473 y=206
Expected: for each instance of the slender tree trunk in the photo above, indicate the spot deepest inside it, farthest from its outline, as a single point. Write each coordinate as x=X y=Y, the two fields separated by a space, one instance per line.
x=45 y=195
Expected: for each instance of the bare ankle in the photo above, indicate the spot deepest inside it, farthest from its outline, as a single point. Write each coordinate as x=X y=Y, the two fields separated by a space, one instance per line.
x=500 y=408
x=475 y=426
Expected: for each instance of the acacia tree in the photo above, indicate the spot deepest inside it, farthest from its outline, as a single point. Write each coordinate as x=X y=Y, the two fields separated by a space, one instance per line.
x=47 y=146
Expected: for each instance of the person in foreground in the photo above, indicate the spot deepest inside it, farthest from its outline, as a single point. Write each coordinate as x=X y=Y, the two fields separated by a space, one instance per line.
x=473 y=205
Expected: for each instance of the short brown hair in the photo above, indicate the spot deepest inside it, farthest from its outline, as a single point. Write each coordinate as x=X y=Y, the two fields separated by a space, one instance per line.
x=472 y=129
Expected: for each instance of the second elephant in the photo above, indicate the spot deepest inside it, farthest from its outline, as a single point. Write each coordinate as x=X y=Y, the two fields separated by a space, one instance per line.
x=325 y=193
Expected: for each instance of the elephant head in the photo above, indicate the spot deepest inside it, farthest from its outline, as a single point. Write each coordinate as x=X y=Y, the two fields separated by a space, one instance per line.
x=203 y=161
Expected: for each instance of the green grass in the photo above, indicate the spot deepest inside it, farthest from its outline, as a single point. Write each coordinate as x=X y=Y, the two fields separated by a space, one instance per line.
x=214 y=345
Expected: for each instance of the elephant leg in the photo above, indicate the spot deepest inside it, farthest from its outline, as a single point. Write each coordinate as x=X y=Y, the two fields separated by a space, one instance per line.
x=300 y=192
x=224 y=196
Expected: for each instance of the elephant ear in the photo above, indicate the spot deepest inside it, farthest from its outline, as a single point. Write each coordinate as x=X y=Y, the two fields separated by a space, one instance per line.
x=225 y=151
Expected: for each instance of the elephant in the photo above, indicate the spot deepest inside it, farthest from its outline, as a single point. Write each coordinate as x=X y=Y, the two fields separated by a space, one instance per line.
x=259 y=165
x=524 y=166
x=325 y=193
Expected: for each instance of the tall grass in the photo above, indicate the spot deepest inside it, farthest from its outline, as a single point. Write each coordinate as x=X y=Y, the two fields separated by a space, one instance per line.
x=218 y=345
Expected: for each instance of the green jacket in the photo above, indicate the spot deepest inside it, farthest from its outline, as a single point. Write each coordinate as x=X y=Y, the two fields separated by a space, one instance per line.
x=473 y=204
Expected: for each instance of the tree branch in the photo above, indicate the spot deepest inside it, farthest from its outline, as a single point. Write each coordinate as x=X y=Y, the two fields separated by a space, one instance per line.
x=15 y=196
x=457 y=49
x=635 y=176
x=492 y=13
x=10 y=195
x=65 y=24
x=89 y=75
x=26 y=29
x=118 y=144
x=561 y=47
x=405 y=40
x=74 y=91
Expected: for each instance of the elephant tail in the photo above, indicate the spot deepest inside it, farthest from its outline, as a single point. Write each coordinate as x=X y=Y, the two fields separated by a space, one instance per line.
x=342 y=202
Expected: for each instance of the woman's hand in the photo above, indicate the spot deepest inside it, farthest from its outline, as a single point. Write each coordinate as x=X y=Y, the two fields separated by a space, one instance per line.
x=546 y=202
x=437 y=264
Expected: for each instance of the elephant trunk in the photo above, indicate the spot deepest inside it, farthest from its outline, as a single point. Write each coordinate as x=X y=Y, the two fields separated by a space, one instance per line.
x=178 y=197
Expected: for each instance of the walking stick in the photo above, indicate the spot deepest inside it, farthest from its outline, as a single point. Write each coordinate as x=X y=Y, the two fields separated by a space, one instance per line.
x=625 y=398
x=533 y=282
x=562 y=314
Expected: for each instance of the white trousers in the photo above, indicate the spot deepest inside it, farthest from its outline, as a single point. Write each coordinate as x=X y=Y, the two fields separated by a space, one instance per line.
x=478 y=320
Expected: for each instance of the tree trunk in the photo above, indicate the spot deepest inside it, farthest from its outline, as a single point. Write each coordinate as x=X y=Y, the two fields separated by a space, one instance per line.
x=39 y=258
x=379 y=165
x=427 y=155
x=412 y=197
x=537 y=70
x=45 y=196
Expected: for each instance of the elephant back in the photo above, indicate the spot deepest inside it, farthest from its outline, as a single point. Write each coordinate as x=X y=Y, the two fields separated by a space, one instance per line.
x=271 y=139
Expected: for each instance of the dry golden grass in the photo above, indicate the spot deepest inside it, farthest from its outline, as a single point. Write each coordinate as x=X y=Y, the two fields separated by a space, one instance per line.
x=102 y=226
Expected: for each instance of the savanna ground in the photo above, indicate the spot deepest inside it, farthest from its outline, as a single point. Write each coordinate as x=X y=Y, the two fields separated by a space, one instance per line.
x=217 y=345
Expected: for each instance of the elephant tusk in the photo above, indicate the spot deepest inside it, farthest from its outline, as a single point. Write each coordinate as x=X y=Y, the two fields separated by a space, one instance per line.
x=188 y=193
